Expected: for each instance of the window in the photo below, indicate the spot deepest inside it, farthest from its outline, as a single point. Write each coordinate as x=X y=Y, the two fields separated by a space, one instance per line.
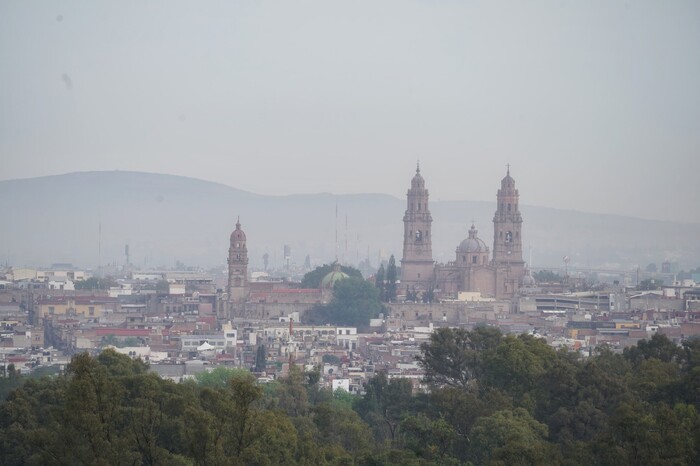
x=508 y=207
x=91 y=310
x=473 y=259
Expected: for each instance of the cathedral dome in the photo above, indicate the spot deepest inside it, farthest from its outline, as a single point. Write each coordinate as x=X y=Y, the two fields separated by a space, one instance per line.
x=472 y=244
x=333 y=276
x=527 y=280
x=238 y=234
x=417 y=181
x=507 y=182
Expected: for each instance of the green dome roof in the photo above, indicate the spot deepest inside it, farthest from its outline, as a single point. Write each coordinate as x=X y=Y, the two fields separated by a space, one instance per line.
x=333 y=276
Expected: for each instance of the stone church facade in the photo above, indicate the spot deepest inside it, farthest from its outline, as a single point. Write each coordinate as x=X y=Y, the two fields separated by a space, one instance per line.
x=474 y=268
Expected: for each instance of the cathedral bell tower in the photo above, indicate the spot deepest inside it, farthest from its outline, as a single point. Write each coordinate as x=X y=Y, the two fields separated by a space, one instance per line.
x=507 y=240
x=237 y=266
x=417 y=265
x=507 y=225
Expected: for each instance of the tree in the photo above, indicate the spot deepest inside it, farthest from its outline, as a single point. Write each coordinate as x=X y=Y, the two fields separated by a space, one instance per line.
x=651 y=268
x=163 y=287
x=428 y=438
x=391 y=277
x=355 y=302
x=95 y=283
x=341 y=427
x=650 y=284
x=293 y=397
x=261 y=359
x=219 y=378
x=455 y=357
x=511 y=437
x=380 y=282
x=517 y=364
x=330 y=359
x=658 y=347
x=313 y=279
x=429 y=295
x=384 y=403
x=411 y=294
x=547 y=276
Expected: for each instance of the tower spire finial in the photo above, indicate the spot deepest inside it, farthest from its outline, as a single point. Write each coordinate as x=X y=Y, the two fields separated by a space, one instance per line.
x=508 y=169
x=238 y=222
x=418 y=166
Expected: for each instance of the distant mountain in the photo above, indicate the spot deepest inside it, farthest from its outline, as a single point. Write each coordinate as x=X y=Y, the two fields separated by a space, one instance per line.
x=88 y=217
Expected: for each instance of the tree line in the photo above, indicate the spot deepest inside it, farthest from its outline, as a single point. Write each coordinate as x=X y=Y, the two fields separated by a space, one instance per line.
x=494 y=399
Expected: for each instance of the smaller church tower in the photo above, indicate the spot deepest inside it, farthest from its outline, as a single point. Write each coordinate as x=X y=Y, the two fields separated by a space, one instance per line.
x=417 y=265
x=507 y=225
x=237 y=266
x=507 y=239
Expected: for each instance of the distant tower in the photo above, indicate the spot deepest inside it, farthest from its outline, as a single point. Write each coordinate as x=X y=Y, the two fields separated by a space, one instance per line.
x=417 y=265
x=507 y=238
x=237 y=266
x=507 y=224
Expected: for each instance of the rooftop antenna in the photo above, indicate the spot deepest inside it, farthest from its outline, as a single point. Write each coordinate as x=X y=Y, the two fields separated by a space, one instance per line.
x=99 y=248
x=345 y=254
x=336 y=230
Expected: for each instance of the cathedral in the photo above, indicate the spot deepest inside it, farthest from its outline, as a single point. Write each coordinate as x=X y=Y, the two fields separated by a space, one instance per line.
x=497 y=275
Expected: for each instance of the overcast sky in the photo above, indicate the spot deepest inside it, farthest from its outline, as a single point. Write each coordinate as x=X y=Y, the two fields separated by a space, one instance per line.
x=595 y=104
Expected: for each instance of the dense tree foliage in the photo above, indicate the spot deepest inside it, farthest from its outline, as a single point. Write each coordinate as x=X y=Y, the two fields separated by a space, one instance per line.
x=547 y=276
x=515 y=400
x=313 y=279
x=96 y=283
x=493 y=400
x=650 y=284
x=355 y=301
x=683 y=275
x=392 y=275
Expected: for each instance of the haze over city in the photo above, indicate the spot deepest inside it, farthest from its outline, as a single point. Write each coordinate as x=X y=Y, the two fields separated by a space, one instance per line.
x=595 y=105
x=386 y=232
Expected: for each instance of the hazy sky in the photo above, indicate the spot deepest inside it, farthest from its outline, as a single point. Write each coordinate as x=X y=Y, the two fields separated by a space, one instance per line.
x=596 y=104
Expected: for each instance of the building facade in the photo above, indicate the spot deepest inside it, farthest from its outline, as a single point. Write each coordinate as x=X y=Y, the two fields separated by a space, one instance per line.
x=237 y=266
x=473 y=270
x=417 y=264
